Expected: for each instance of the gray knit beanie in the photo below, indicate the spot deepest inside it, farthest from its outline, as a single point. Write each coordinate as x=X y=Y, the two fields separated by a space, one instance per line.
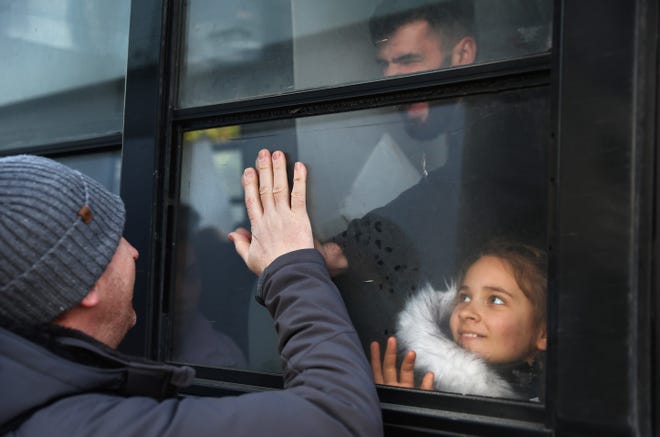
x=58 y=232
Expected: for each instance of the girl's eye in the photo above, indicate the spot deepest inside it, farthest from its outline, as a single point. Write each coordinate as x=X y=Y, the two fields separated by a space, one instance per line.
x=496 y=300
x=463 y=298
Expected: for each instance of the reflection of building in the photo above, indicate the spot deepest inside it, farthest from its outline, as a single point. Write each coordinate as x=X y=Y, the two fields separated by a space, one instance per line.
x=56 y=55
x=227 y=33
x=206 y=188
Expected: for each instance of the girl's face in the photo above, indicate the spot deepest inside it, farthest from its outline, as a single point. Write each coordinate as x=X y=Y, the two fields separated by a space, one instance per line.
x=493 y=318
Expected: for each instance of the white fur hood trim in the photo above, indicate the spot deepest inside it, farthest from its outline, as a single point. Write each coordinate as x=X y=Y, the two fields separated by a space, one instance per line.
x=423 y=326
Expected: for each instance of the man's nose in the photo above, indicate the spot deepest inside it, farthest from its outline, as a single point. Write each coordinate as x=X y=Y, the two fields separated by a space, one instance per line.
x=391 y=69
x=134 y=252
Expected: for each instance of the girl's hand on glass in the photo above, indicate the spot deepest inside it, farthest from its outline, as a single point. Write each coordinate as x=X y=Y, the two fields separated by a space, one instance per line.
x=386 y=372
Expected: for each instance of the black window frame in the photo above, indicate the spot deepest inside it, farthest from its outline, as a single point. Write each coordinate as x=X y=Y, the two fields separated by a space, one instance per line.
x=410 y=411
x=602 y=73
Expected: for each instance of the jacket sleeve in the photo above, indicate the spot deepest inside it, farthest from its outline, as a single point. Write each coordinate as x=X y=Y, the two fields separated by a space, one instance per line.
x=323 y=360
x=328 y=385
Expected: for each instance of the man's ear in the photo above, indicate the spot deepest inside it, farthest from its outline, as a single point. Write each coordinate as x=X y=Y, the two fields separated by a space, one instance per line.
x=464 y=52
x=92 y=298
x=542 y=340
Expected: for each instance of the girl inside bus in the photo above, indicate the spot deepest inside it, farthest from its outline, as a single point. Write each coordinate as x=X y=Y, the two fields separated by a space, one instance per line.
x=486 y=336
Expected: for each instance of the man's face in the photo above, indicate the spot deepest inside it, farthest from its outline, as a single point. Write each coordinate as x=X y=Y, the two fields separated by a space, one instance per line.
x=116 y=284
x=412 y=48
x=493 y=317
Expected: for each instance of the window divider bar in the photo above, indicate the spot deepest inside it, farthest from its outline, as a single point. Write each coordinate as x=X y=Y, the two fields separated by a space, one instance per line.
x=463 y=81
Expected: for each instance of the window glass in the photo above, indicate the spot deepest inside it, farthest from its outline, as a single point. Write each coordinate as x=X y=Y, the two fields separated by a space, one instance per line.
x=105 y=167
x=63 y=69
x=235 y=49
x=410 y=204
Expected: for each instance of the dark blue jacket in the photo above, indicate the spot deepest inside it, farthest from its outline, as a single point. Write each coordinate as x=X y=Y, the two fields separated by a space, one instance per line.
x=328 y=382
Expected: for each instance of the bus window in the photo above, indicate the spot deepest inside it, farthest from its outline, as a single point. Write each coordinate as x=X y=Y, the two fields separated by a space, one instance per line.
x=63 y=72
x=105 y=167
x=235 y=50
x=406 y=204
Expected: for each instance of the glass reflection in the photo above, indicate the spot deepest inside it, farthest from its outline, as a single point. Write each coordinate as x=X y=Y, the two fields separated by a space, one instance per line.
x=105 y=167
x=240 y=49
x=397 y=204
x=217 y=291
x=64 y=65
x=198 y=338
